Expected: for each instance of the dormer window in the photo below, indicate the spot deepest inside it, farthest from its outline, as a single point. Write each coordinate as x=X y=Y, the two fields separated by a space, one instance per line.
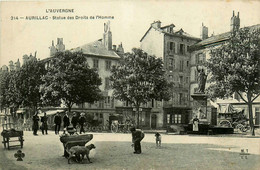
x=171 y=30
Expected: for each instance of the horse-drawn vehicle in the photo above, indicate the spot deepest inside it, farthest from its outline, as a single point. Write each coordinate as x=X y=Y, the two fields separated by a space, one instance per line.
x=117 y=124
x=234 y=118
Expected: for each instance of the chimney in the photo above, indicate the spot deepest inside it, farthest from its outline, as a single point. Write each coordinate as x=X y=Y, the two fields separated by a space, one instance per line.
x=107 y=36
x=235 y=22
x=60 y=46
x=25 y=58
x=114 y=47
x=11 y=65
x=17 y=65
x=120 y=49
x=204 y=32
x=156 y=24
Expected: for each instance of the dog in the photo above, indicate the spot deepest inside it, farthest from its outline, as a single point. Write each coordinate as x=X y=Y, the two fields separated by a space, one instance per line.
x=80 y=150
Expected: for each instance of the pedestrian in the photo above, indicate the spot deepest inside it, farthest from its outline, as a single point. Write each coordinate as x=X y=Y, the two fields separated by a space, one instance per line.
x=158 y=139
x=44 y=125
x=57 y=121
x=66 y=121
x=195 y=122
x=74 y=120
x=137 y=137
x=82 y=120
x=35 y=125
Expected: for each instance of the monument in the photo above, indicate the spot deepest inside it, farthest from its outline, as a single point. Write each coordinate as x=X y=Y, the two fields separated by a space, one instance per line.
x=200 y=98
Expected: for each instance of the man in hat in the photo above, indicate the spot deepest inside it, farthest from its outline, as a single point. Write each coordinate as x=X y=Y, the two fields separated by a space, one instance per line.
x=66 y=121
x=74 y=120
x=82 y=120
x=57 y=121
x=35 y=125
x=44 y=121
x=137 y=137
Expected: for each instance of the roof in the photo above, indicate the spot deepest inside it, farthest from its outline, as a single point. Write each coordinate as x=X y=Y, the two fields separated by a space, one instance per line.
x=219 y=38
x=179 y=33
x=215 y=39
x=96 y=48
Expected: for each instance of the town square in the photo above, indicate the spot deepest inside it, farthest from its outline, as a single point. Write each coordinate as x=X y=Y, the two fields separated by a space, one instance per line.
x=130 y=85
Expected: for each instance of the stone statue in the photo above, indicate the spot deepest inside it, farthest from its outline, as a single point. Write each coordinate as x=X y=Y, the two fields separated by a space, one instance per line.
x=202 y=77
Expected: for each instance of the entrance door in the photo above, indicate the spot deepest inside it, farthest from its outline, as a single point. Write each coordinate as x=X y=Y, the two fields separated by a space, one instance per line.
x=153 y=121
x=214 y=116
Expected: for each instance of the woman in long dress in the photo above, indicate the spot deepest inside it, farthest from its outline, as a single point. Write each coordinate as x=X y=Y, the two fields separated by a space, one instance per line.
x=196 y=124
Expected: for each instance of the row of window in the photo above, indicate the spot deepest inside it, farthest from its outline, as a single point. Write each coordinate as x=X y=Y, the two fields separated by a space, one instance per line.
x=200 y=58
x=180 y=79
x=180 y=98
x=173 y=118
x=96 y=64
x=181 y=48
x=108 y=102
x=172 y=64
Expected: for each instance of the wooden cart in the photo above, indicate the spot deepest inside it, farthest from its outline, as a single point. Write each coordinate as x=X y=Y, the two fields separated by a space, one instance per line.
x=12 y=135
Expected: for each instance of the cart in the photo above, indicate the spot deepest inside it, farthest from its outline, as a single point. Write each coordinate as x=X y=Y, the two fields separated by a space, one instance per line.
x=118 y=126
x=233 y=118
x=12 y=135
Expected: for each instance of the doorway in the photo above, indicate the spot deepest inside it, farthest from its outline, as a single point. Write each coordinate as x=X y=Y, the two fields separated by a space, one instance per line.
x=153 y=121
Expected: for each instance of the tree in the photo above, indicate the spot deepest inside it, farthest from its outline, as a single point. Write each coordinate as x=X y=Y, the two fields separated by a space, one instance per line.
x=28 y=83
x=139 y=78
x=20 y=87
x=234 y=67
x=4 y=81
x=70 y=79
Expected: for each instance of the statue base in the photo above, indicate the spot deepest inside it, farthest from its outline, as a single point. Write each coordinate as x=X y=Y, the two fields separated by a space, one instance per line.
x=199 y=108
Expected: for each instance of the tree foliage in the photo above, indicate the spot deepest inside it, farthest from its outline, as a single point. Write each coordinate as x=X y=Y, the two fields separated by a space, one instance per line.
x=234 y=67
x=139 y=78
x=4 y=81
x=29 y=82
x=70 y=79
x=20 y=87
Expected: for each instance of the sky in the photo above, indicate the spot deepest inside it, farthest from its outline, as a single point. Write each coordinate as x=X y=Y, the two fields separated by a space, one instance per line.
x=131 y=20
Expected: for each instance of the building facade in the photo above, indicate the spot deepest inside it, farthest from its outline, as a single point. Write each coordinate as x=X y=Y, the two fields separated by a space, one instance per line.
x=172 y=47
x=199 y=54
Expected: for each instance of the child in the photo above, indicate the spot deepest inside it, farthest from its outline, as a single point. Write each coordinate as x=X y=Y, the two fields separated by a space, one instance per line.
x=158 y=139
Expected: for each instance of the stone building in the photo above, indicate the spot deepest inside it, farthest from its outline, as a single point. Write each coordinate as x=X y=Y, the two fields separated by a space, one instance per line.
x=199 y=54
x=172 y=47
x=101 y=55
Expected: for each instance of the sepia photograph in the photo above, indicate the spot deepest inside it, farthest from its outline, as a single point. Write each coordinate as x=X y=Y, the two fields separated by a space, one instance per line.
x=129 y=85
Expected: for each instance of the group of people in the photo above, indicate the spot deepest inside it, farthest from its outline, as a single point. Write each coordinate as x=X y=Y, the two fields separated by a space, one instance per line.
x=44 y=124
x=57 y=121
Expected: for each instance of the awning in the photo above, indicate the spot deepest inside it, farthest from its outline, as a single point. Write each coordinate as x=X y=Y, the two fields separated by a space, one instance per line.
x=50 y=112
x=230 y=109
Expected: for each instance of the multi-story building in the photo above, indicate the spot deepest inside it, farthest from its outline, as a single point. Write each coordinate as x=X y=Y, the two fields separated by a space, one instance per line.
x=172 y=47
x=200 y=53
x=101 y=55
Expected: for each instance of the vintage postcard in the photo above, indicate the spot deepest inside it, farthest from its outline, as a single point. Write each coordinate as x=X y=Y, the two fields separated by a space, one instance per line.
x=113 y=84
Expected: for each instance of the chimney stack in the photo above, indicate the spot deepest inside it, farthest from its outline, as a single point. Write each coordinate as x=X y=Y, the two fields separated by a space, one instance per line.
x=107 y=36
x=235 y=22
x=204 y=32
x=156 y=24
x=114 y=47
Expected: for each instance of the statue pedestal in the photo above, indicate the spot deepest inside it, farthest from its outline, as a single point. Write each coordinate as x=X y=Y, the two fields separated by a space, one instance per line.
x=200 y=107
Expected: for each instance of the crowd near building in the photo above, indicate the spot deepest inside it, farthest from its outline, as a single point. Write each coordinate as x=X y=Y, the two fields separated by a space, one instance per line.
x=181 y=54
